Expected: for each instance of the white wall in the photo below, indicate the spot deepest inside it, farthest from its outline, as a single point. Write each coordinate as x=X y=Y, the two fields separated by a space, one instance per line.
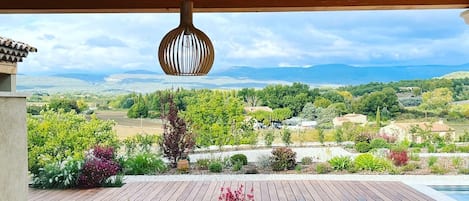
x=13 y=147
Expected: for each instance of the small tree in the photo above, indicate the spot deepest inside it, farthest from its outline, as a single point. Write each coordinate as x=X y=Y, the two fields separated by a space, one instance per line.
x=321 y=135
x=269 y=137
x=378 y=118
x=286 y=136
x=177 y=141
x=339 y=135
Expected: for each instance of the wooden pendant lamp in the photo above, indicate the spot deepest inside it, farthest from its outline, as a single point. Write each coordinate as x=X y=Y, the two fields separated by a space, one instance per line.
x=185 y=50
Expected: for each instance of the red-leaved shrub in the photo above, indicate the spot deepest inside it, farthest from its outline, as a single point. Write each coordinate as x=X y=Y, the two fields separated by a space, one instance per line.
x=237 y=195
x=399 y=157
x=103 y=152
x=98 y=167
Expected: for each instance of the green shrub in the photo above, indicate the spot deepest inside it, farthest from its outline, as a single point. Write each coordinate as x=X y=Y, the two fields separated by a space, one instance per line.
x=436 y=169
x=144 y=163
x=463 y=171
x=307 y=160
x=283 y=158
x=215 y=167
x=298 y=168
x=269 y=138
x=415 y=150
x=463 y=149
x=202 y=164
x=456 y=161
x=286 y=136
x=395 y=170
x=58 y=174
x=55 y=136
x=140 y=143
x=449 y=148
x=410 y=167
x=239 y=157
x=362 y=137
x=414 y=157
x=115 y=181
x=323 y=168
x=431 y=148
x=340 y=163
x=237 y=166
x=464 y=137
x=432 y=160
x=362 y=147
x=369 y=162
x=379 y=143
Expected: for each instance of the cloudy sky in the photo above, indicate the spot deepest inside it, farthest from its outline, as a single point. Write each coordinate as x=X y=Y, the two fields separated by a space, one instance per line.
x=122 y=42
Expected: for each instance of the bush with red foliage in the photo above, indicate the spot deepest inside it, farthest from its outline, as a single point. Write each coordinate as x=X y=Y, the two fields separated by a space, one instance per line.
x=103 y=152
x=98 y=167
x=399 y=157
x=237 y=195
x=177 y=140
x=283 y=158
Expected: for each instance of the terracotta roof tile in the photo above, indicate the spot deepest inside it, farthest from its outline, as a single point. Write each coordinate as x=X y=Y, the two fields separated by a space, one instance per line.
x=435 y=127
x=14 y=51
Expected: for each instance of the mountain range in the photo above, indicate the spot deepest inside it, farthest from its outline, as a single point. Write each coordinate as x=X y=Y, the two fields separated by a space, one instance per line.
x=235 y=77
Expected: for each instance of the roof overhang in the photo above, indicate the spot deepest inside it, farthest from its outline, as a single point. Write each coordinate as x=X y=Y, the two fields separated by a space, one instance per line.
x=146 y=6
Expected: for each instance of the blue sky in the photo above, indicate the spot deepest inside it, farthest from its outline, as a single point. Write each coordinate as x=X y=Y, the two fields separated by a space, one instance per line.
x=121 y=42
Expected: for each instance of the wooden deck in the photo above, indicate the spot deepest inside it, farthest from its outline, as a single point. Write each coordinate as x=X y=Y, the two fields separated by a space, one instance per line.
x=263 y=190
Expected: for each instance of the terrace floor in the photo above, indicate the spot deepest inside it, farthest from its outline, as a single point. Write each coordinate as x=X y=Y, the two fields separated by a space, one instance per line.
x=263 y=190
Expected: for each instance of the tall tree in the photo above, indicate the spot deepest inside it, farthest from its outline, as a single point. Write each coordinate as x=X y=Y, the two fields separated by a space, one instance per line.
x=177 y=140
x=309 y=112
x=438 y=100
x=139 y=109
x=378 y=118
x=214 y=116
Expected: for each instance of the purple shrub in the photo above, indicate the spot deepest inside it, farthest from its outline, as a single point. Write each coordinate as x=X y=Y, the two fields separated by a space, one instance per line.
x=95 y=172
x=177 y=140
x=103 y=152
x=98 y=167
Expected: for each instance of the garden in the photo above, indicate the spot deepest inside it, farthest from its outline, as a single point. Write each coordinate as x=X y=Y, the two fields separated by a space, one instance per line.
x=67 y=150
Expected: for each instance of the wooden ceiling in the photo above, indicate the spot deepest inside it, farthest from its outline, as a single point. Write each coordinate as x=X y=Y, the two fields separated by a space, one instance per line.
x=137 y=6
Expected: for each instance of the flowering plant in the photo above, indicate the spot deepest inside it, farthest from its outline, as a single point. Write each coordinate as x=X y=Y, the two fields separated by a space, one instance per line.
x=236 y=195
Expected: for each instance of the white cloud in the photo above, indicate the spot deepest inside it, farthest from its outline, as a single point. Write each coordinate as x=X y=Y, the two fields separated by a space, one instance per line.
x=114 y=42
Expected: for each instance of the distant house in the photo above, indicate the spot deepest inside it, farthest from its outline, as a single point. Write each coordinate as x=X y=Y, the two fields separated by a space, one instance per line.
x=353 y=118
x=308 y=124
x=259 y=108
x=402 y=131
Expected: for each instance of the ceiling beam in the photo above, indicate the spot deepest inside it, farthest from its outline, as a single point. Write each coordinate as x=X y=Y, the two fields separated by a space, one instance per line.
x=145 y=6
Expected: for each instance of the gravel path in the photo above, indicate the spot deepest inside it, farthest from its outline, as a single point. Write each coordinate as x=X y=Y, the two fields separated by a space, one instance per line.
x=319 y=154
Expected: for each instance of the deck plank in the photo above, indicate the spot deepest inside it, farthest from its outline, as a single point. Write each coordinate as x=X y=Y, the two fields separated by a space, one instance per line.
x=212 y=190
x=263 y=190
x=196 y=186
x=330 y=192
x=280 y=191
x=312 y=191
x=157 y=188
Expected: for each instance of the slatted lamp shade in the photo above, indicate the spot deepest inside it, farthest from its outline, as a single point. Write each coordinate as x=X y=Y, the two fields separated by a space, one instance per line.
x=185 y=50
